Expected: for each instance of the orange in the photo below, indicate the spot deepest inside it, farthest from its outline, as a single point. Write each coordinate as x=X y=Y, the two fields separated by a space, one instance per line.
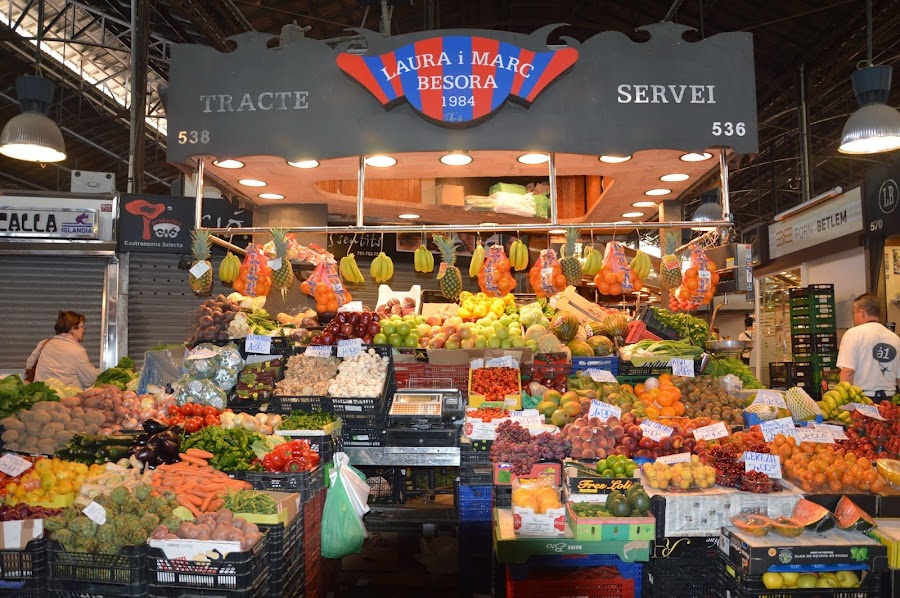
x=665 y=399
x=626 y=388
x=667 y=411
x=679 y=408
x=664 y=379
x=691 y=273
x=615 y=289
x=652 y=413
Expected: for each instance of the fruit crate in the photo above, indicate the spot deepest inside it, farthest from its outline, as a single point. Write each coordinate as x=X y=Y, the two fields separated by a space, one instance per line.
x=682 y=578
x=439 y=375
x=324 y=444
x=473 y=503
x=545 y=370
x=109 y=573
x=646 y=315
x=736 y=584
x=502 y=496
x=591 y=581
x=235 y=571
x=304 y=483
x=284 y=555
x=655 y=368
x=24 y=572
x=406 y=372
x=811 y=293
x=84 y=591
x=475 y=467
x=259 y=589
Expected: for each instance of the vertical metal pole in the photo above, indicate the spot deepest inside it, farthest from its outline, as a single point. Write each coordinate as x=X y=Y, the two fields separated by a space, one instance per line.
x=140 y=39
x=198 y=207
x=360 y=190
x=553 y=208
x=803 y=116
x=723 y=176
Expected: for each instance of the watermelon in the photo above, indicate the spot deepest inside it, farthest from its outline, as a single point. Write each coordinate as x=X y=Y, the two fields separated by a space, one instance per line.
x=813 y=516
x=850 y=516
x=601 y=345
x=580 y=348
x=565 y=327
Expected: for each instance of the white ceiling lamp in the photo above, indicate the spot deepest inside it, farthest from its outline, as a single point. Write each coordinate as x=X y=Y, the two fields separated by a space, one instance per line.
x=632 y=214
x=695 y=157
x=674 y=178
x=380 y=161
x=654 y=192
x=271 y=196
x=644 y=204
x=409 y=216
x=710 y=210
x=252 y=183
x=305 y=164
x=490 y=224
x=456 y=159
x=612 y=159
x=32 y=136
x=557 y=231
x=532 y=159
x=229 y=164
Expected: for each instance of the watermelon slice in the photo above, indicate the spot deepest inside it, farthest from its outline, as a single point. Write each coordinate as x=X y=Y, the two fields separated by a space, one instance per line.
x=812 y=516
x=850 y=516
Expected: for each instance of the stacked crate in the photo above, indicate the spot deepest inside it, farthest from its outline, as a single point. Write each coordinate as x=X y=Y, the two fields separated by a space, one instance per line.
x=813 y=336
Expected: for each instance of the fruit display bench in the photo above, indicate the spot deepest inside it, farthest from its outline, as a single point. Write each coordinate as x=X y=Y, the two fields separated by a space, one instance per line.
x=683 y=566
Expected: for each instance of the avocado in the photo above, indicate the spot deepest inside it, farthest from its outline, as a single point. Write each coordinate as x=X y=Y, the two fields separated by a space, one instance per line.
x=619 y=507
x=640 y=502
x=634 y=489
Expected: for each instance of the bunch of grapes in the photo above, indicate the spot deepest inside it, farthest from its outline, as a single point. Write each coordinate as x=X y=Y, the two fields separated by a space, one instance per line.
x=515 y=445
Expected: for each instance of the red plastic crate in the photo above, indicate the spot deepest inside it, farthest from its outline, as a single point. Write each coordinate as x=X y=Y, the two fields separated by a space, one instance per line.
x=404 y=372
x=438 y=375
x=565 y=583
x=637 y=331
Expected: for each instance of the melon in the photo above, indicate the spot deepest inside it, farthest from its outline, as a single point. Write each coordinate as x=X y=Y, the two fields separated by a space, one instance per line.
x=601 y=345
x=615 y=324
x=850 y=516
x=785 y=526
x=580 y=348
x=812 y=516
x=752 y=523
x=565 y=327
x=594 y=327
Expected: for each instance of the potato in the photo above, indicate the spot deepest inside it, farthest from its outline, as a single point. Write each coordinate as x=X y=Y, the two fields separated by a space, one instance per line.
x=9 y=436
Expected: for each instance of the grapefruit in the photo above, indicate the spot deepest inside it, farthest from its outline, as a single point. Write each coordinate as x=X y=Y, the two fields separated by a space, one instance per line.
x=553 y=396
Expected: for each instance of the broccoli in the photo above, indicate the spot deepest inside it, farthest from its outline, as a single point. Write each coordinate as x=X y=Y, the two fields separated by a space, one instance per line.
x=83 y=527
x=119 y=494
x=64 y=537
x=142 y=493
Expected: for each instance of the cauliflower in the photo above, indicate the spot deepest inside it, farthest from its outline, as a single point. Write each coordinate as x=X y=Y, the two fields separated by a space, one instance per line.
x=533 y=333
x=548 y=343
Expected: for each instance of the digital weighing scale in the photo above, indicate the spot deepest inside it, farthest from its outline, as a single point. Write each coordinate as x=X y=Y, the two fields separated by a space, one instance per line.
x=425 y=417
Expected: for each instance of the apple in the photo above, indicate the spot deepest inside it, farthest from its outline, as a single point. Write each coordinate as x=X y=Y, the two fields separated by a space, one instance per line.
x=773 y=581
x=807 y=580
x=847 y=579
x=452 y=344
x=467 y=343
x=790 y=579
x=826 y=581
x=480 y=343
x=423 y=330
x=433 y=321
x=465 y=332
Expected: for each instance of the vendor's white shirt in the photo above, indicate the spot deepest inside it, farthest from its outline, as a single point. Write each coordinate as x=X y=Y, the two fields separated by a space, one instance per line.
x=65 y=359
x=873 y=353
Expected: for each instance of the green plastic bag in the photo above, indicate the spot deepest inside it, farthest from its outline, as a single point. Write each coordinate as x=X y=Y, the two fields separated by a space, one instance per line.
x=343 y=531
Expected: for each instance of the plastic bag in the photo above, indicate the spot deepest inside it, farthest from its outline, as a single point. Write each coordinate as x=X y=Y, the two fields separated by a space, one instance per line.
x=517 y=205
x=698 y=284
x=343 y=531
x=615 y=277
x=546 y=275
x=325 y=286
x=200 y=391
x=161 y=368
x=254 y=277
x=495 y=278
x=354 y=482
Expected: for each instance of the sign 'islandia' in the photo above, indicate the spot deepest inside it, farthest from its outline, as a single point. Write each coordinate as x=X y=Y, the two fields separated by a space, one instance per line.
x=457 y=80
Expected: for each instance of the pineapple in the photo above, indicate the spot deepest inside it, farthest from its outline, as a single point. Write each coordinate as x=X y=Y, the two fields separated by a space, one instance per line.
x=284 y=276
x=449 y=276
x=570 y=265
x=200 y=249
x=670 y=265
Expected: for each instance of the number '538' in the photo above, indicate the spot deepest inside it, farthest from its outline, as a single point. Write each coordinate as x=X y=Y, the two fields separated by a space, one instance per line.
x=193 y=137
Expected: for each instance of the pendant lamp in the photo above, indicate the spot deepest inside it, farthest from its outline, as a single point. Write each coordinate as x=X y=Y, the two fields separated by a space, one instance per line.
x=32 y=136
x=710 y=210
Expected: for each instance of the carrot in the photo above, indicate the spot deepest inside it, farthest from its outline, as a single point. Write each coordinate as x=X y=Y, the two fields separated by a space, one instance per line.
x=192 y=498
x=216 y=504
x=188 y=505
x=204 y=506
x=195 y=452
x=192 y=460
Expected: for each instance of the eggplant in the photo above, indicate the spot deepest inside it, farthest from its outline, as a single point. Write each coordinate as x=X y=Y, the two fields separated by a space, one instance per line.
x=145 y=454
x=151 y=426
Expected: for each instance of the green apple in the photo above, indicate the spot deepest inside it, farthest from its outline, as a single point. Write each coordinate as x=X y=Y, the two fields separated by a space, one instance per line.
x=515 y=331
x=502 y=333
x=531 y=344
x=494 y=343
x=517 y=342
x=420 y=320
x=482 y=321
x=488 y=332
x=396 y=318
x=481 y=343
x=773 y=581
x=388 y=328
x=514 y=317
x=403 y=329
x=505 y=320
x=826 y=581
x=790 y=579
x=807 y=580
x=847 y=579
x=395 y=340
x=506 y=344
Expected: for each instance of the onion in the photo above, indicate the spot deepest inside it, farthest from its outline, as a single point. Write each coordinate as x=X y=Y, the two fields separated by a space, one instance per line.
x=651 y=383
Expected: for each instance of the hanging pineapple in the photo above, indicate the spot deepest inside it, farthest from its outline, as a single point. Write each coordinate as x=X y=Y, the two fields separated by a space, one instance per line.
x=670 y=265
x=570 y=265
x=201 y=274
x=284 y=275
x=449 y=277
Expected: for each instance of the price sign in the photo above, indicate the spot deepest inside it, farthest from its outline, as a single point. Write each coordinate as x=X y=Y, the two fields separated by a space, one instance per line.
x=510 y=402
x=603 y=410
x=349 y=347
x=770 y=397
x=203 y=353
x=598 y=375
x=672 y=459
x=500 y=362
x=771 y=429
x=716 y=430
x=275 y=264
x=655 y=430
x=767 y=464
x=683 y=367
x=318 y=351
x=869 y=411
x=814 y=434
x=836 y=432
x=258 y=343
x=527 y=417
x=95 y=513
x=13 y=465
x=351 y=306
x=199 y=269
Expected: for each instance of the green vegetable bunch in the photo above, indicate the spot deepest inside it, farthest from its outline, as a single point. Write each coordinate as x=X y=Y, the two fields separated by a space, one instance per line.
x=691 y=329
x=15 y=395
x=260 y=322
x=120 y=376
x=233 y=448
x=298 y=420
x=250 y=501
x=729 y=365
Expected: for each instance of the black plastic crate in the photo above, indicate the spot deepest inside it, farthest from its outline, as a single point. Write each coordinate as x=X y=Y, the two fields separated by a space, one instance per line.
x=284 y=555
x=780 y=369
x=739 y=585
x=627 y=368
x=259 y=589
x=646 y=315
x=684 y=548
x=127 y=568
x=502 y=497
x=24 y=572
x=362 y=437
x=305 y=483
x=326 y=445
x=475 y=466
x=236 y=571
x=682 y=578
x=79 y=590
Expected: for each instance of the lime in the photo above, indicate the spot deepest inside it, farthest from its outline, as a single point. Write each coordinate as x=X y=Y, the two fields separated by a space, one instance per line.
x=630 y=469
x=608 y=473
x=602 y=464
x=619 y=468
x=380 y=339
x=388 y=328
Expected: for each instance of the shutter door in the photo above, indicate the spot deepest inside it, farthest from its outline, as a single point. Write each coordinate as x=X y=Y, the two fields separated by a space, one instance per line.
x=35 y=289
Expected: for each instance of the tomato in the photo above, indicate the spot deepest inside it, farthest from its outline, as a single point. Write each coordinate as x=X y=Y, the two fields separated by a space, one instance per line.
x=174 y=410
x=210 y=410
x=191 y=426
x=211 y=420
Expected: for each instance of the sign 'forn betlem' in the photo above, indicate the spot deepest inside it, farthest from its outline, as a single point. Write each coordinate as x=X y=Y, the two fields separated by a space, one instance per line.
x=457 y=80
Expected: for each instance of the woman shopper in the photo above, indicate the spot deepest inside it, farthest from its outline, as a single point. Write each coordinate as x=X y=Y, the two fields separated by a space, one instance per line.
x=869 y=356
x=64 y=357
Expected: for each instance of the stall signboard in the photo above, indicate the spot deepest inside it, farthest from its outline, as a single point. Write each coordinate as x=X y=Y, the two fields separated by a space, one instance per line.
x=220 y=213
x=472 y=89
x=49 y=222
x=883 y=200
x=156 y=223
x=830 y=220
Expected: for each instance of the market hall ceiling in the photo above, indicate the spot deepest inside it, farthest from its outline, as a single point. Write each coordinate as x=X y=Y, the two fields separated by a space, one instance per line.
x=827 y=37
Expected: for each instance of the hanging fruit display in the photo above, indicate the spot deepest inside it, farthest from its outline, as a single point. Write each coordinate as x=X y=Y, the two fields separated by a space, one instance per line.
x=592 y=262
x=698 y=284
x=495 y=278
x=382 y=268
x=423 y=259
x=282 y=272
x=349 y=269
x=477 y=262
x=569 y=263
x=518 y=256
x=254 y=276
x=201 y=276
x=641 y=265
x=324 y=285
x=546 y=275
x=449 y=276
x=615 y=276
x=228 y=269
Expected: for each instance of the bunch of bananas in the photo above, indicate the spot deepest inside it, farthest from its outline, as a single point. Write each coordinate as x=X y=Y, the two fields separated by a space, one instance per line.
x=382 y=268
x=229 y=268
x=641 y=265
x=477 y=262
x=593 y=261
x=423 y=259
x=349 y=270
x=518 y=256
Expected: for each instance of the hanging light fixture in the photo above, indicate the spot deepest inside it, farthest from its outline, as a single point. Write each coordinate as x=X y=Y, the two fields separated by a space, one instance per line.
x=710 y=210
x=875 y=127
x=32 y=136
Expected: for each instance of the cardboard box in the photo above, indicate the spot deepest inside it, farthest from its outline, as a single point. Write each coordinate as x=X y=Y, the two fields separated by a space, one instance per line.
x=194 y=550
x=611 y=528
x=289 y=505
x=551 y=524
x=511 y=401
x=15 y=535
x=503 y=476
x=584 y=309
x=449 y=195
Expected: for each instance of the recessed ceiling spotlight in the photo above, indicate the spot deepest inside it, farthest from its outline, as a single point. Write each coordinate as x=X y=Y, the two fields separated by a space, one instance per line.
x=252 y=183
x=490 y=224
x=644 y=204
x=674 y=178
x=228 y=163
x=614 y=159
x=409 y=216
x=456 y=159
x=533 y=159
x=271 y=196
x=695 y=157
x=657 y=192
x=557 y=231
x=632 y=214
x=380 y=161
x=304 y=164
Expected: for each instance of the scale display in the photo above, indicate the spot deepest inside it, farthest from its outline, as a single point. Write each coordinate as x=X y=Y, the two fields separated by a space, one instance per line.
x=412 y=404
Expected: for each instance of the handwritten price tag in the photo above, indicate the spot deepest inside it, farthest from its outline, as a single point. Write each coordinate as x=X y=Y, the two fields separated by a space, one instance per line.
x=500 y=362
x=813 y=434
x=603 y=410
x=672 y=459
x=318 y=351
x=258 y=343
x=13 y=465
x=770 y=397
x=767 y=464
x=349 y=347
x=598 y=375
x=351 y=306
x=199 y=269
x=527 y=417
x=95 y=513
x=771 y=429
x=655 y=430
x=870 y=411
x=275 y=264
x=717 y=430
x=683 y=367
x=836 y=432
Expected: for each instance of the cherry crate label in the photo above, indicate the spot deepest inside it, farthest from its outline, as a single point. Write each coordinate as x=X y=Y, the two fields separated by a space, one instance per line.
x=763 y=462
x=275 y=264
x=258 y=343
x=318 y=351
x=349 y=347
x=95 y=513
x=771 y=429
x=813 y=434
x=527 y=417
x=711 y=432
x=598 y=375
x=770 y=397
x=500 y=362
x=603 y=410
x=836 y=432
x=673 y=459
x=683 y=367
x=351 y=306
x=13 y=465
x=655 y=430
x=199 y=269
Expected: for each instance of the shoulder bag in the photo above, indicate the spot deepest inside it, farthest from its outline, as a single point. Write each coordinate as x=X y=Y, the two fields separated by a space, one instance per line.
x=30 y=372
